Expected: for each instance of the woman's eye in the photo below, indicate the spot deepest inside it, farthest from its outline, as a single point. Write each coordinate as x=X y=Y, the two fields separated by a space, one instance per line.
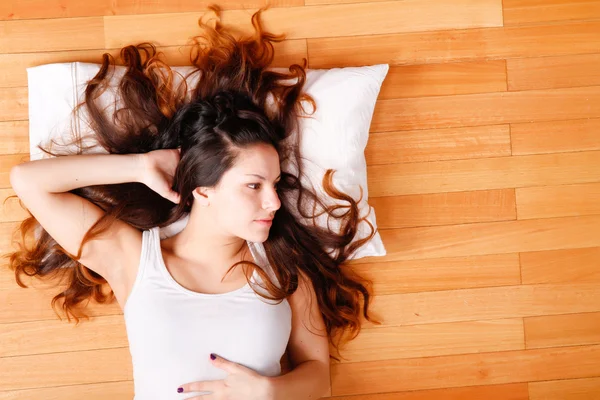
x=256 y=186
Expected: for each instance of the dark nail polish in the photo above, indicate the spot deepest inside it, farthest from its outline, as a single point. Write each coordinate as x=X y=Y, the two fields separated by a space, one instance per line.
x=212 y=356
x=179 y=390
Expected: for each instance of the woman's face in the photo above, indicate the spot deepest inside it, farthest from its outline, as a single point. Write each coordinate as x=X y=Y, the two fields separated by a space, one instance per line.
x=247 y=193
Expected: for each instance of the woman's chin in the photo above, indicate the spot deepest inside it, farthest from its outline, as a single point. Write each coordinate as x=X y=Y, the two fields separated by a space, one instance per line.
x=259 y=237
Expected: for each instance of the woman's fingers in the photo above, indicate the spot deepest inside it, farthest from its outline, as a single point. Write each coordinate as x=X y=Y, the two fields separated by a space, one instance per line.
x=203 y=386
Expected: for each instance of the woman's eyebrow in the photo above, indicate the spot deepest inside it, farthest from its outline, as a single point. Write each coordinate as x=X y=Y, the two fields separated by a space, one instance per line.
x=262 y=177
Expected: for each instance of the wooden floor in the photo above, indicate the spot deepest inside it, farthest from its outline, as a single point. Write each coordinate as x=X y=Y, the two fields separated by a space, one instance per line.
x=484 y=170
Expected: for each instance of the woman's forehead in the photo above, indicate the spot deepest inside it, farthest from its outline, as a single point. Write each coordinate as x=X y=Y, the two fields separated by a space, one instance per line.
x=262 y=161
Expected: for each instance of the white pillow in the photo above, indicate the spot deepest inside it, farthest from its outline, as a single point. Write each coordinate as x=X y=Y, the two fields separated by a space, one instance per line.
x=334 y=137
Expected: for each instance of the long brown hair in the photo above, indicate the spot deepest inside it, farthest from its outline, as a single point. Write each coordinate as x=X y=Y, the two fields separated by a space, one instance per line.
x=237 y=102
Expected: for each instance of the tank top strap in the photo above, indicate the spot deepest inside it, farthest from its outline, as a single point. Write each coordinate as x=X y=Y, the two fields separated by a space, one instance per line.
x=154 y=252
x=147 y=260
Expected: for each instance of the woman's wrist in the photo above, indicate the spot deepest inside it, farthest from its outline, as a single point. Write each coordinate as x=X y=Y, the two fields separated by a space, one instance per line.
x=141 y=166
x=269 y=388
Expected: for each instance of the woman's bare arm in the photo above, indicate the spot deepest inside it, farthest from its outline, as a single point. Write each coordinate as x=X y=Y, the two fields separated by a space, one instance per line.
x=62 y=174
x=308 y=349
x=43 y=185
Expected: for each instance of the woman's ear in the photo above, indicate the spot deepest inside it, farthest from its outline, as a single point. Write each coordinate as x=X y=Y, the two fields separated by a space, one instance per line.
x=201 y=196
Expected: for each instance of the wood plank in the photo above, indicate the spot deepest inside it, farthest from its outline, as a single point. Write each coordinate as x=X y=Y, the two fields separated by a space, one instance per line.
x=14 y=137
x=484 y=304
x=550 y=137
x=490 y=238
x=486 y=109
x=320 y=2
x=42 y=337
x=33 y=304
x=313 y=22
x=51 y=34
x=32 y=9
x=435 y=340
x=534 y=11
x=553 y=72
x=72 y=368
x=7 y=161
x=438 y=144
x=466 y=370
x=456 y=45
x=14 y=105
x=483 y=174
x=562 y=330
x=558 y=201
x=444 y=208
x=13 y=71
x=567 y=389
x=561 y=266
x=94 y=391
x=515 y=391
x=441 y=273
x=444 y=79
x=11 y=211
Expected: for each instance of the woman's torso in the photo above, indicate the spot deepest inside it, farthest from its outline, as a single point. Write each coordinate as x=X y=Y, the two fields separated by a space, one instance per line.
x=173 y=330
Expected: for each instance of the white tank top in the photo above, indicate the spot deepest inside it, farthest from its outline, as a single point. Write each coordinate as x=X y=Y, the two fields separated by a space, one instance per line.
x=173 y=330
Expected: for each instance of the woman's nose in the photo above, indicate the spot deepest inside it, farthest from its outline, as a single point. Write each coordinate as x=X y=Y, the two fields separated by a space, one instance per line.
x=272 y=202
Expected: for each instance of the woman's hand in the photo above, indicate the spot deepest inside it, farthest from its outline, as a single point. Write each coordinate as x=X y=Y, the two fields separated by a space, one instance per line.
x=158 y=169
x=241 y=384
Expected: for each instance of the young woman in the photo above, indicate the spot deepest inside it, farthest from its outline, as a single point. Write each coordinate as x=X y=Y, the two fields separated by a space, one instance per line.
x=224 y=153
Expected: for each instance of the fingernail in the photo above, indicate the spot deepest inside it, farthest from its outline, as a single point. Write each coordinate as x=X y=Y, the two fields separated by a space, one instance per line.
x=179 y=390
x=212 y=356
